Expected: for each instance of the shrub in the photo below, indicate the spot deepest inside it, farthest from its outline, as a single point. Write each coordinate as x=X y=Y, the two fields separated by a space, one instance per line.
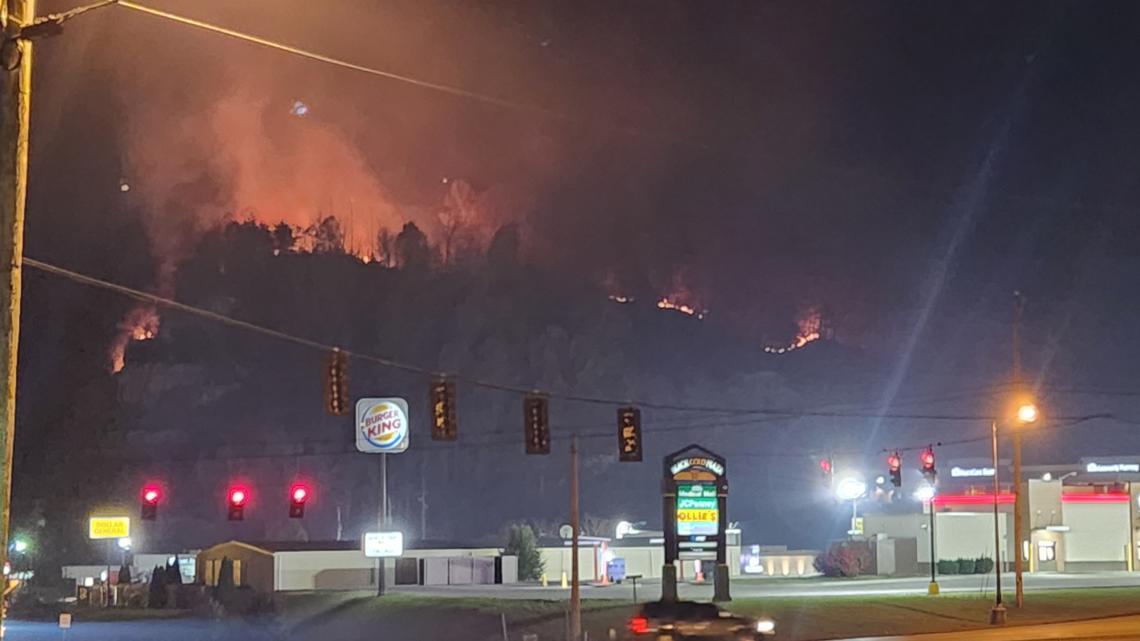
x=947 y=566
x=965 y=566
x=521 y=542
x=984 y=565
x=156 y=596
x=843 y=559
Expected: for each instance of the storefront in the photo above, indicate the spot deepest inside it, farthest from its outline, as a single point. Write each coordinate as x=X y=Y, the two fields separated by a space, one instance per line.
x=1078 y=517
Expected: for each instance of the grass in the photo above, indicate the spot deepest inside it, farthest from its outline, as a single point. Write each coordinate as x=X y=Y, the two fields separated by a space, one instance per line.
x=831 y=617
x=806 y=618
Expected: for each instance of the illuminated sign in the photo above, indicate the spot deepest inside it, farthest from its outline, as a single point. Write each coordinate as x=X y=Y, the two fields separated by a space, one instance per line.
x=382 y=425
x=378 y=545
x=959 y=472
x=697 y=510
x=1113 y=467
x=697 y=461
x=109 y=527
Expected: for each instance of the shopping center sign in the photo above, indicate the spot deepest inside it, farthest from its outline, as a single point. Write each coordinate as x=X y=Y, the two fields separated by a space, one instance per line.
x=1113 y=468
x=695 y=489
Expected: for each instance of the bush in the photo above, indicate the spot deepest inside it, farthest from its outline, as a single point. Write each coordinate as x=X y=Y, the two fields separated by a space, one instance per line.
x=843 y=559
x=156 y=596
x=947 y=566
x=984 y=565
x=965 y=566
x=521 y=542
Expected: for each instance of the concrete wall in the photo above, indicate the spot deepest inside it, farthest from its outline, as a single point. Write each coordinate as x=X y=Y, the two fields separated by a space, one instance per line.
x=1098 y=533
x=956 y=534
x=324 y=570
x=557 y=560
x=1044 y=505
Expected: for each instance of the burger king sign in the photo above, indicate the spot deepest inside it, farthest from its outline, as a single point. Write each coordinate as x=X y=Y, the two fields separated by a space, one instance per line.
x=382 y=425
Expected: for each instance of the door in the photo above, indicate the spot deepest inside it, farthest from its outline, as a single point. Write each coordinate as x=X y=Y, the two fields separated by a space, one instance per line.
x=1047 y=556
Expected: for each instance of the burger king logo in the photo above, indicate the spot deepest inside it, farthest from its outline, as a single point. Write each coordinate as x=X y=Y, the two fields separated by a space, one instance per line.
x=382 y=425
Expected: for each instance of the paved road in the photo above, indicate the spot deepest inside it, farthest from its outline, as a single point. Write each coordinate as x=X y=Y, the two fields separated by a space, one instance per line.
x=743 y=588
x=1116 y=628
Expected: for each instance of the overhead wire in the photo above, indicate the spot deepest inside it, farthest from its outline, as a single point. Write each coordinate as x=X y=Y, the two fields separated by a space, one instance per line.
x=171 y=303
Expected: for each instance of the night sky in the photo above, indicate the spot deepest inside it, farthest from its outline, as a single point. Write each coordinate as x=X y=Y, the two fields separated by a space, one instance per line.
x=904 y=167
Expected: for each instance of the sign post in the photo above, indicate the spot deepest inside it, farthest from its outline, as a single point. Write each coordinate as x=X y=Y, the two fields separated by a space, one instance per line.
x=694 y=506
x=382 y=428
x=380 y=546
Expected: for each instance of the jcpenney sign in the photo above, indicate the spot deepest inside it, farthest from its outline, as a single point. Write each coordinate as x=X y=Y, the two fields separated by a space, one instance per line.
x=1113 y=467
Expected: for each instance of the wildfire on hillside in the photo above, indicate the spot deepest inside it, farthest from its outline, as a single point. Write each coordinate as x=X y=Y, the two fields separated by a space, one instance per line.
x=621 y=298
x=140 y=324
x=667 y=303
x=811 y=328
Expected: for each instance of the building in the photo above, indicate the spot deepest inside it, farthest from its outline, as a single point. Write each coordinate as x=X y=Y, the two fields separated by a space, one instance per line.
x=1076 y=517
x=341 y=565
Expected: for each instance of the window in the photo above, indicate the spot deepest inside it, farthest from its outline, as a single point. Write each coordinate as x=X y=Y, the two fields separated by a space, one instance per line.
x=1046 y=551
x=237 y=572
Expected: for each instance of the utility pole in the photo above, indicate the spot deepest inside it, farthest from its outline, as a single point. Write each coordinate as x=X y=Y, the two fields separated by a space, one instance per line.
x=1019 y=593
x=575 y=591
x=997 y=613
x=15 y=94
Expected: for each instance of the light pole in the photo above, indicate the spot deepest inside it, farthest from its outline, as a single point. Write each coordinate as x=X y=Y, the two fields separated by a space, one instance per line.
x=926 y=495
x=851 y=489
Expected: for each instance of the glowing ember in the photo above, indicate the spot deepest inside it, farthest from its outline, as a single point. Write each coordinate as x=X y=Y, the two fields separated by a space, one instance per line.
x=811 y=329
x=141 y=324
x=666 y=303
x=617 y=298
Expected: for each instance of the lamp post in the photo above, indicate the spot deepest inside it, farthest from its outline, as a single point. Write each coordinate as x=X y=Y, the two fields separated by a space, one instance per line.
x=851 y=489
x=926 y=495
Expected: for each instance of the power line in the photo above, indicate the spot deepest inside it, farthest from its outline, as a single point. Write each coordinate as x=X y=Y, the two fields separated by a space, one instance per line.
x=473 y=380
x=372 y=71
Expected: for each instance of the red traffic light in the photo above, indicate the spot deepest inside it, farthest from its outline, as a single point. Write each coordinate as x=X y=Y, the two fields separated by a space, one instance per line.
x=238 y=496
x=299 y=493
x=825 y=465
x=151 y=494
x=927 y=458
x=894 y=462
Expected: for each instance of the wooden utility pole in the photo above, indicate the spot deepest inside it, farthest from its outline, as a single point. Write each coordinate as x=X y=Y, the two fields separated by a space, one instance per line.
x=15 y=94
x=575 y=591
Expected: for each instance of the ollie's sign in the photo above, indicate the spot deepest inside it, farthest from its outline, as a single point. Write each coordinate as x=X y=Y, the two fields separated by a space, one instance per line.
x=382 y=425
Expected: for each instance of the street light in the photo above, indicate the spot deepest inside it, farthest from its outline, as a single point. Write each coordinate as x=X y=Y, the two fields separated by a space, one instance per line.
x=925 y=493
x=851 y=489
x=1027 y=413
x=125 y=543
x=20 y=546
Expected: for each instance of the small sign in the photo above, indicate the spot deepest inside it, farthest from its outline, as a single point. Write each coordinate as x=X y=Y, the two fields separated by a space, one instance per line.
x=109 y=527
x=65 y=621
x=697 y=510
x=1114 y=468
x=381 y=545
x=382 y=425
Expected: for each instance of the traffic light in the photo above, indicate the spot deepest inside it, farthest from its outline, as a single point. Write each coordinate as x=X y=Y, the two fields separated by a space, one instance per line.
x=928 y=471
x=894 y=463
x=150 y=497
x=629 y=434
x=535 y=426
x=826 y=470
x=236 y=498
x=336 y=383
x=298 y=494
x=444 y=426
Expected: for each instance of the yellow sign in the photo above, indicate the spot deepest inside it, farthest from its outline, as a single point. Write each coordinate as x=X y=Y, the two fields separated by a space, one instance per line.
x=109 y=527
x=858 y=525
